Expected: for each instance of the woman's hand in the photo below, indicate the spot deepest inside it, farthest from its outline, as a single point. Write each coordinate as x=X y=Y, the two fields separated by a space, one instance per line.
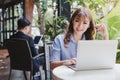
x=102 y=29
x=70 y=62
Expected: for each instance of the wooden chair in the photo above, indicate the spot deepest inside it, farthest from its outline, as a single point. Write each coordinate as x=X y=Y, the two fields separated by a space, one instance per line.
x=20 y=56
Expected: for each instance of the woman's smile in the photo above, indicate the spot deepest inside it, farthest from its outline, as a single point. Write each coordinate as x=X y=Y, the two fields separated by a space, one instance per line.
x=79 y=30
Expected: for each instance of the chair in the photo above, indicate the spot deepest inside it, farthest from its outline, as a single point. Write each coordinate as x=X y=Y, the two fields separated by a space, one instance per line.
x=20 y=56
x=48 y=75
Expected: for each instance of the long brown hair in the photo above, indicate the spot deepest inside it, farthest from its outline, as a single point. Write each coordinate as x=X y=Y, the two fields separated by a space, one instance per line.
x=81 y=13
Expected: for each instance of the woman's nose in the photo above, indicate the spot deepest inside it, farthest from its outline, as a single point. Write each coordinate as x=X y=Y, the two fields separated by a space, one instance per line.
x=80 y=25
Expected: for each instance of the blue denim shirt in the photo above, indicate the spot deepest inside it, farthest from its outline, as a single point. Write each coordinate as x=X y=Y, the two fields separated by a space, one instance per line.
x=60 y=52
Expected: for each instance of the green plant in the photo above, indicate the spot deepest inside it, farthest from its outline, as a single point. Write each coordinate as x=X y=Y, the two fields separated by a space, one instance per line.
x=113 y=23
x=55 y=28
x=118 y=53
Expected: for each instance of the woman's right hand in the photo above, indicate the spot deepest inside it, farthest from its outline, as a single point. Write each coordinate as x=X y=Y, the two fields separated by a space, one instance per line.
x=102 y=29
x=70 y=62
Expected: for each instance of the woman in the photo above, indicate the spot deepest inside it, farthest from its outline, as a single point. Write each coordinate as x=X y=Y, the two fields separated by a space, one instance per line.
x=81 y=27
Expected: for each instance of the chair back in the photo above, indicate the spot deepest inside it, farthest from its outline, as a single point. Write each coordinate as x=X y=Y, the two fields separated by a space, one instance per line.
x=20 y=54
x=48 y=46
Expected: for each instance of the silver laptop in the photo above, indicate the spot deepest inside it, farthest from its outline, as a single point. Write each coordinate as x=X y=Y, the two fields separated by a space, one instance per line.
x=96 y=54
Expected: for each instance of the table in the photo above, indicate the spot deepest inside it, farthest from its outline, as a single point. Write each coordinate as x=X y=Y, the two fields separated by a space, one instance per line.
x=65 y=73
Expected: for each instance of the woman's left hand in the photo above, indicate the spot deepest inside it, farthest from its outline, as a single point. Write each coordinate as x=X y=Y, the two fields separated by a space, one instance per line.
x=102 y=29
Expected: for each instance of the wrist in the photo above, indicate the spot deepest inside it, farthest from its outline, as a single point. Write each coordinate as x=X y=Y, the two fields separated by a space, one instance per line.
x=66 y=62
x=106 y=36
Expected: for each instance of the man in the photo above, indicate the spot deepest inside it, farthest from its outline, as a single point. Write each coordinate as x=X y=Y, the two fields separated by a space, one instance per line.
x=23 y=33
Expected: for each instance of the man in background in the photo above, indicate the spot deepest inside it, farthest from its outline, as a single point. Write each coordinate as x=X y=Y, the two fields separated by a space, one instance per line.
x=23 y=33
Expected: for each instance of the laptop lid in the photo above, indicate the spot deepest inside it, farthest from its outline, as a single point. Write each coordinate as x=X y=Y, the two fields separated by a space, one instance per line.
x=37 y=39
x=96 y=54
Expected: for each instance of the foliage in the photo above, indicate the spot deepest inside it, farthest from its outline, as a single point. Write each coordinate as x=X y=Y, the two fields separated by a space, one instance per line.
x=53 y=29
x=44 y=5
x=114 y=27
x=95 y=6
x=41 y=8
x=92 y=4
x=118 y=54
x=113 y=22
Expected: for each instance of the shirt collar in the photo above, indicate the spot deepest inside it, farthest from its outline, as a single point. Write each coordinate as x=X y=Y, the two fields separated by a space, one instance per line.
x=72 y=39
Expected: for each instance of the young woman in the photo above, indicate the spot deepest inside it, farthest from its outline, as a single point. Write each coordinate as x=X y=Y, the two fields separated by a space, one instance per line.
x=81 y=27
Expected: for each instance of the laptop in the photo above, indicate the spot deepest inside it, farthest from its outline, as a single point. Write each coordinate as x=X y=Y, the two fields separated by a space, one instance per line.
x=37 y=39
x=95 y=54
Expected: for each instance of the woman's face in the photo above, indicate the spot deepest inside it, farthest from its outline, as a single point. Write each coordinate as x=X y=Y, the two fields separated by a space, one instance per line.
x=80 y=25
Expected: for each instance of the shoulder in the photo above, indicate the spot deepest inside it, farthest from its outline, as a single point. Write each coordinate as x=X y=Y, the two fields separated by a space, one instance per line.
x=60 y=36
x=59 y=39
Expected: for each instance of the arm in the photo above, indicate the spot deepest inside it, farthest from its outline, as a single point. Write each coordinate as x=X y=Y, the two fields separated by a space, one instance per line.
x=32 y=47
x=54 y=64
x=56 y=54
x=102 y=29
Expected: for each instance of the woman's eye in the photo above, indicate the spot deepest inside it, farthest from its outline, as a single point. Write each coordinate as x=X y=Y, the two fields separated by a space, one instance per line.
x=76 y=20
x=85 y=22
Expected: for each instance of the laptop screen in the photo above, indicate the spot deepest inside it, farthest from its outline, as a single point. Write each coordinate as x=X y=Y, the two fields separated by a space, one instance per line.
x=37 y=39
